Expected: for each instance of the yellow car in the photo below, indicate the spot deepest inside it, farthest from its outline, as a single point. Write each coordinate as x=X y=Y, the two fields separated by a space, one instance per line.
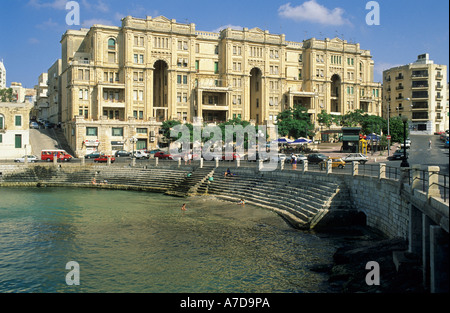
x=335 y=162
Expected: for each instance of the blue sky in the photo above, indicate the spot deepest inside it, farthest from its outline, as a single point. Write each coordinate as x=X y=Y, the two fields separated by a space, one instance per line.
x=30 y=30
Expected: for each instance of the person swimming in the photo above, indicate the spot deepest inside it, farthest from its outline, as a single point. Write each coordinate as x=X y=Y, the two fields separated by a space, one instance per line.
x=242 y=202
x=183 y=207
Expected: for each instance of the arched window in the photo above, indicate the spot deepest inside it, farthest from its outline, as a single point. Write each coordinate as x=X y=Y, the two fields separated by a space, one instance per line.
x=111 y=44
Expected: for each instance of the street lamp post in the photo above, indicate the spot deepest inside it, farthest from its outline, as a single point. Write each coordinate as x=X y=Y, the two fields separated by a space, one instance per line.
x=405 y=158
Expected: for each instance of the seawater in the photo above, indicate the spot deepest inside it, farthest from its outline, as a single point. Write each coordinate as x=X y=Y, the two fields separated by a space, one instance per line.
x=136 y=242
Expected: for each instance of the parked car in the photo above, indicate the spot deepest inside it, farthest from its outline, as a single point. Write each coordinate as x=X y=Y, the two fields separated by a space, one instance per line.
x=153 y=151
x=34 y=125
x=256 y=157
x=335 y=162
x=141 y=155
x=356 y=157
x=30 y=158
x=279 y=157
x=61 y=155
x=408 y=144
x=230 y=157
x=301 y=158
x=163 y=155
x=398 y=155
x=122 y=153
x=316 y=158
x=93 y=155
x=104 y=158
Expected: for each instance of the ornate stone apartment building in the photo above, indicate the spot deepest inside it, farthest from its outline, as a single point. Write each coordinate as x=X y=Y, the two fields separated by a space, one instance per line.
x=119 y=83
x=419 y=91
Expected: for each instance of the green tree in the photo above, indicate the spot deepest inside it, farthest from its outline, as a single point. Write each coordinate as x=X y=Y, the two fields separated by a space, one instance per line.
x=372 y=124
x=396 y=129
x=6 y=95
x=295 y=123
x=325 y=119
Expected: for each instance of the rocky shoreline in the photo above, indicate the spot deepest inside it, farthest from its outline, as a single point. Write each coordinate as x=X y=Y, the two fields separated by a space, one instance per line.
x=360 y=245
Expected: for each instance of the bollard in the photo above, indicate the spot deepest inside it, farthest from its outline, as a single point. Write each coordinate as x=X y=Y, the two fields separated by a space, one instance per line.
x=83 y=160
x=179 y=162
x=329 y=165
x=55 y=160
x=238 y=162
x=354 y=168
x=305 y=166
x=260 y=165
x=108 y=160
x=433 y=180
x=156 y=161
x=382 y=171
x=282 y=164
x=217 y=161
x=201 y=162
x=133 y=162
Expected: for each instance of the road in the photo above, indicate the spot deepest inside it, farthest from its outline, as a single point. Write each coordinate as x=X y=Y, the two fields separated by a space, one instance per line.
x=42 y=139
x=420 y=153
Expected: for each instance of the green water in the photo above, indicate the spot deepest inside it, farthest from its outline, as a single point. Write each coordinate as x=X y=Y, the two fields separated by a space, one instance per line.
x=142 y=242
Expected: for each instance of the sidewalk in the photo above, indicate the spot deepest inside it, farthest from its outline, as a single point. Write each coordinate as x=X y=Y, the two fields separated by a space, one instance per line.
x=334 y=150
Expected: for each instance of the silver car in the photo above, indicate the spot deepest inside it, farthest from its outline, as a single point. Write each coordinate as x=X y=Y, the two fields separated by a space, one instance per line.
x=31 y=159
x=356 y=157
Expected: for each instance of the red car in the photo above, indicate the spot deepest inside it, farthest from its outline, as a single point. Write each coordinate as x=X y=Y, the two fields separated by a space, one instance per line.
x=163 y=155
x=230 y=157
x=104 y=159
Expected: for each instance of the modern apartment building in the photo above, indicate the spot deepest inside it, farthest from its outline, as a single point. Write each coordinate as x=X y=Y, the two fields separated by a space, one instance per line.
x=419 y=91
x=2 y=75
x=120 y=83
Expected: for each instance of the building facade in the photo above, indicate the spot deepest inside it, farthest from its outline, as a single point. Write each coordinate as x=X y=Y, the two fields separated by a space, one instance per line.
x=2 y=75
x=419 y=91
x=54 y=92
x=42 y=104
x=14 y=130
x=122 y=82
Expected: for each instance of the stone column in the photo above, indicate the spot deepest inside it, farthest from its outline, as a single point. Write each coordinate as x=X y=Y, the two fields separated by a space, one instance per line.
x=438 y=260
x=433 y=180
x=329 y=165
x=426 y=223
x=382 y=171
x=415 y=177
x=415 y=230
x=354 y=168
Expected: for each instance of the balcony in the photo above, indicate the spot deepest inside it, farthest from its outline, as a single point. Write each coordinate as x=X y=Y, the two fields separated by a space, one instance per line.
x=399 y=98
x=419 y=75
x=399 y=77
x=439 y=87
x=439 y=76
x=399 y=88
x=116 y=104
x=439 y=97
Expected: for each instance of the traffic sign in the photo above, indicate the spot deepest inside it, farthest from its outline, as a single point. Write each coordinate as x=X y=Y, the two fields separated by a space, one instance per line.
x=388 y=137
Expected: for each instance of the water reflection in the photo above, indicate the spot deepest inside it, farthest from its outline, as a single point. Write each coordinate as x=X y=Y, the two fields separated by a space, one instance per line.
x=142 y=242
